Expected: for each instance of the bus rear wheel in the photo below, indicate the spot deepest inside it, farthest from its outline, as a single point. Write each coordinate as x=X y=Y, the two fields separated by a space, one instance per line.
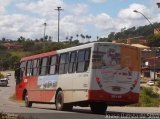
x=27 y=102
x=98 y=107
x=60 y=103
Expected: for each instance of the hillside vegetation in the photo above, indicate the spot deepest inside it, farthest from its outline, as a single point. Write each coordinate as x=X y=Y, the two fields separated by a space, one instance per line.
x=10 y=58
x=146 y=31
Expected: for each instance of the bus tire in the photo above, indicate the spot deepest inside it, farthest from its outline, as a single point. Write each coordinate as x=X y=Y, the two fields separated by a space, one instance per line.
x=59 y=102
x=98 y=107
x=27 y=102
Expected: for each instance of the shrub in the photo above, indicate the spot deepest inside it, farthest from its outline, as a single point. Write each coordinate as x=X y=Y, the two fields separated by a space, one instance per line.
x=148 y=98
x=158 y=83
x=1 y=75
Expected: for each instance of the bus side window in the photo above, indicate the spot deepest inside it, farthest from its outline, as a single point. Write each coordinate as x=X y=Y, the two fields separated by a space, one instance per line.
x=72 y=62
x=35 y=67
x=29 y=68
x=20 y=72
x=63 y=63
x=66 y=63
x=22 y=69
x=83 y=60
x=80 y=61
x=53 y=64
x=87 y=59
x=43 y=66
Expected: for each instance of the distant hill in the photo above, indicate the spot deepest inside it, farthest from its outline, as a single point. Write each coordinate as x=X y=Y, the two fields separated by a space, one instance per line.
x=124 y=34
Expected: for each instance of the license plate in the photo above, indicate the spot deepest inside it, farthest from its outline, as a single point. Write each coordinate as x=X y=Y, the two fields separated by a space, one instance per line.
x=116 y=88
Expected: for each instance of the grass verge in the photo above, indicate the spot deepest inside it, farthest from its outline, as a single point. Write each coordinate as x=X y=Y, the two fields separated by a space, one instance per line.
x=13 y=98
x=148 y=98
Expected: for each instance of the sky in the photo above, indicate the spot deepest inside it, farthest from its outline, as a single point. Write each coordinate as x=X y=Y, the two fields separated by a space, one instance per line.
x=88 y=17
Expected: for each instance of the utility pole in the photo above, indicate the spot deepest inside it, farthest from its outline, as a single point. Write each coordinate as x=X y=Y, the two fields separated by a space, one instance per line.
x=158 y=4
x=59 y=9
x=45 y=24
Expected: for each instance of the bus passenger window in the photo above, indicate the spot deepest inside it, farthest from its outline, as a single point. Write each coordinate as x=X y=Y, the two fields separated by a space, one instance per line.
x=81 y=63
x=87 y=59
x=63 y=63
x=43 y=66
x=53 y=64
x=66 y=63
x=83 y=60
x=20 y=72
x=72 y=62
x=29 y=68
x=35 y=67
x=22 y=69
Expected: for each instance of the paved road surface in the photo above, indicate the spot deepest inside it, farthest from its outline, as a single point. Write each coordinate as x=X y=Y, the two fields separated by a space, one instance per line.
x=48 y=111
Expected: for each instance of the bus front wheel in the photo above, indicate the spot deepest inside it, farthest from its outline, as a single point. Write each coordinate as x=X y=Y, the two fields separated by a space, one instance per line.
x=27 y=102
x=98 y=107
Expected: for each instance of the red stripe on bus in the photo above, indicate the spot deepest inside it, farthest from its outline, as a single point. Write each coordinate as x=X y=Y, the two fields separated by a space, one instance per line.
x=41 y=95
x=39 y=56
x=100 y=95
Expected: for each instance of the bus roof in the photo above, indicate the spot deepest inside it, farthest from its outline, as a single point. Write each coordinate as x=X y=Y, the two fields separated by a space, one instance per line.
x=55 y=52
x=67 y=49
x=38 y=56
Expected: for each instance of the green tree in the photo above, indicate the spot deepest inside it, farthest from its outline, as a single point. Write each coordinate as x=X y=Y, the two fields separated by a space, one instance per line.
x=2 y=48
x=154 y=40
x=28 y=45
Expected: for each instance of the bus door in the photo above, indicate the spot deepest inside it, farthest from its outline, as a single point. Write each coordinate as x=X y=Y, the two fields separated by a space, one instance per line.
x=82 y=75
x=19 y=73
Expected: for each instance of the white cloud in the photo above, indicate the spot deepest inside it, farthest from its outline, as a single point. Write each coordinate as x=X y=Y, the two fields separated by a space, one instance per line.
x=13 y=26
x=127 y=18
x=76 y=19
x=3 y=4
x=41 y=7
x=103 y=21
x=98 y=1
x=129 y=14
x=72 y=25
x=78 y=9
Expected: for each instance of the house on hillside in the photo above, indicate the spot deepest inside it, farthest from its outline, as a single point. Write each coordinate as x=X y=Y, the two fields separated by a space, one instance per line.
x=157 y=30
x=150 y=61
x=11 y=46
x=137 y=40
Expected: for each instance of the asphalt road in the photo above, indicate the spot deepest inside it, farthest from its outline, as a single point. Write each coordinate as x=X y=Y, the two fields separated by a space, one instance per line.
x=40 y=111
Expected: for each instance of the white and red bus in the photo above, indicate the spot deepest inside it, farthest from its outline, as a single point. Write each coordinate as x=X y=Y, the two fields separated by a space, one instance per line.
x=95 y=74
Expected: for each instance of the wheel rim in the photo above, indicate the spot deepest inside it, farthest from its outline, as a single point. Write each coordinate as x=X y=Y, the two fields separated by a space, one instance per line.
x=26 y=100
x=59 y=101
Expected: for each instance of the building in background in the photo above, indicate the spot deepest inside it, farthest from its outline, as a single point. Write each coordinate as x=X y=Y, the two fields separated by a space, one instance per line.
x=11 y=46
x=157 y=31
x=137 y=40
